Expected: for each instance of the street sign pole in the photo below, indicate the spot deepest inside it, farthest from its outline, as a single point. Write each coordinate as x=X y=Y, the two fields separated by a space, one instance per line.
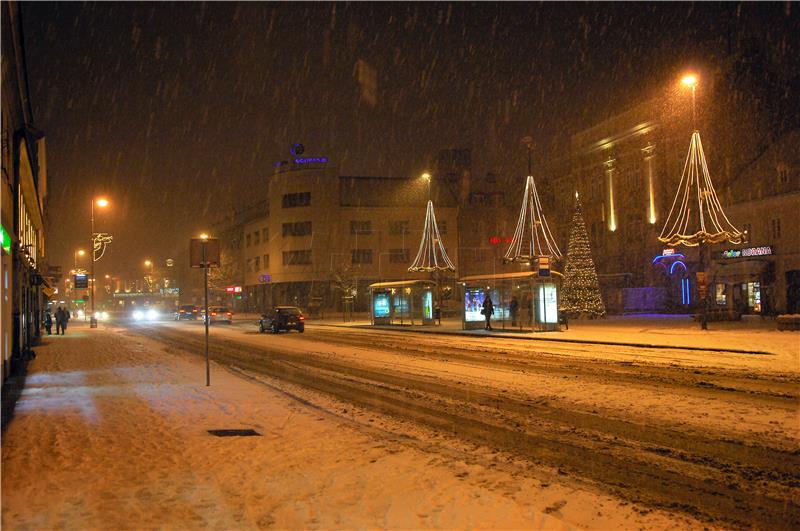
x=205 y=270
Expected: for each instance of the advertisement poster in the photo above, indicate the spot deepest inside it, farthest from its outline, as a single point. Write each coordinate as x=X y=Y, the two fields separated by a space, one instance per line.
x=473 y=303
x=380 y=305
x=427 y=305
x=548 y=307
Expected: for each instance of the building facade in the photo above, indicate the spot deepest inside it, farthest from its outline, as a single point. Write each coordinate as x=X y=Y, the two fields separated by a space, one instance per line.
x=23 y=195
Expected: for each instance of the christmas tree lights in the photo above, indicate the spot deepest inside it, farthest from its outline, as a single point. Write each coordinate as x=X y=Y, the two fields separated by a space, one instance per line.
x=580 y=292
x=532 y=237
x=431 y=255
x=696 y=215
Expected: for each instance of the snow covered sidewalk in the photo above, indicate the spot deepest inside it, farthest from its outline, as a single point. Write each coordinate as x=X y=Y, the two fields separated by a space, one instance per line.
x=111 y=432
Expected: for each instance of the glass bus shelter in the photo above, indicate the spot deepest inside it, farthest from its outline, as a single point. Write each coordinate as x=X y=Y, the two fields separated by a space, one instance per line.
x=536 y=300
x=405 y=302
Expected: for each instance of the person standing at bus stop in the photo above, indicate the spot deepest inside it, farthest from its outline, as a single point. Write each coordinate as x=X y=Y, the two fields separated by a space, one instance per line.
x=488 y=311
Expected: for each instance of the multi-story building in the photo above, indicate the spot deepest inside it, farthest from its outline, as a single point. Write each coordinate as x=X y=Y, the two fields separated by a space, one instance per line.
x=24 y=189
x=324 y=236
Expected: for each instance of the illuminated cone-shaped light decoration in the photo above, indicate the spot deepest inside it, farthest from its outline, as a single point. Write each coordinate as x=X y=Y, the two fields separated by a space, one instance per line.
x=580 y=292
x=532 y=238
x=431 y=255
x=696 y=215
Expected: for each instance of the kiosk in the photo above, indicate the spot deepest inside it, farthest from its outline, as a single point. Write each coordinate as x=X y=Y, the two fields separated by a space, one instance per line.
x=536 y=297
x=404 y=302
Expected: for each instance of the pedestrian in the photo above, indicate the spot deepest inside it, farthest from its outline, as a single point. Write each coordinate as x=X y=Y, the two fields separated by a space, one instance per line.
x=60 y=321
x=67 y=316
x=48 y=322
x=513 y=309
x=488 y=311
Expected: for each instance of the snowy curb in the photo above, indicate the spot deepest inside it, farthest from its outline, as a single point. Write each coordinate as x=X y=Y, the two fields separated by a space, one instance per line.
x=552 y=339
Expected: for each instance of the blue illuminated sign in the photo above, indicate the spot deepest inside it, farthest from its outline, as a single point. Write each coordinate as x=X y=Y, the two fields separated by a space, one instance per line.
x=380 y=305
x=298 y=149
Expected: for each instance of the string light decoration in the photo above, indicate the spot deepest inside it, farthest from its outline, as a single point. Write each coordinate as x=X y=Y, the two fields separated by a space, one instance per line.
x=532 y=237
x=100 y=241
x=696 y=215
x=431 y=255
x=580 y=292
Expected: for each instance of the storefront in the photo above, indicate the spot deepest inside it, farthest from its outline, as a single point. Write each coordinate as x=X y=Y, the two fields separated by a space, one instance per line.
x=522 y=301
x=406 y=302
x=742 y=280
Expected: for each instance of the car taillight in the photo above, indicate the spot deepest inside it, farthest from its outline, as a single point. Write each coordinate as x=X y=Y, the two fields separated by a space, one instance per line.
x=229 y=313
x=213 y=314
x=183 y=311
x=302 y=318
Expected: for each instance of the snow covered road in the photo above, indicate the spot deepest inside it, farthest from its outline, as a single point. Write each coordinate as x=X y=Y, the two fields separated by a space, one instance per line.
x=711 y=439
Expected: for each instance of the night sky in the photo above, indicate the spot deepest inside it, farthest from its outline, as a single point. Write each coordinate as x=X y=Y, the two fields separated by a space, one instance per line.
x=178 y=111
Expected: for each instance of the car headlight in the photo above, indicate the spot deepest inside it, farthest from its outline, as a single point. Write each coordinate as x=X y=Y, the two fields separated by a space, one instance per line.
x=152 y=315
x=81 y=314
x=138 y=315
x=104 y=316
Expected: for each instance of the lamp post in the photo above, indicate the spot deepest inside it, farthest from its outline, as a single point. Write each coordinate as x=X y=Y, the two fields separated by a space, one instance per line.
x=75 y=255
x=102 y=203
x=149 y=264
x=427 y=177
x=204 y=238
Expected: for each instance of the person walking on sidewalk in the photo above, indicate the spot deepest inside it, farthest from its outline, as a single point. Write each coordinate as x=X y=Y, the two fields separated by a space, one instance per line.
x=48 y=322
x=67 y=316
x=488 y=311
x=59 y=320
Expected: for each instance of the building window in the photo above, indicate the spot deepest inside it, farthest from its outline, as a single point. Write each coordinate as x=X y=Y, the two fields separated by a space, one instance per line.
x=360 y=227
x=300 y=199
x=247 y=240
x=297 y=257
x=399 y=256
x=257 y=264
x=265 y=259
x=398 y=227
x=298 y=228
x=442 y=224
x=361 y=256
x=776 y=229
x=249 y=267
x=265 y=235
x=783 y=173
x=256 y=238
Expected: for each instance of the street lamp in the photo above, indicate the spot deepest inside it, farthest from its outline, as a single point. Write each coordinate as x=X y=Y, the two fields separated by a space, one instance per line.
x=204 y=238
x=690 y=80
x=75 y=255
x=427 y=177
x=102 y=203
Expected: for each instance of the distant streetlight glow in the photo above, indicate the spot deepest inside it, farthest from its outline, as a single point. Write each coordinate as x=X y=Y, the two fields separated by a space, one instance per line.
x=81 y=252
x=690 y=80
x=102 y=202
x=148 y=263
x=426 y=176
x=204 y=236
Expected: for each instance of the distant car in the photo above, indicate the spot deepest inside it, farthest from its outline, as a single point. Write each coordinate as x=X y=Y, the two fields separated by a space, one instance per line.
x=187 y=311
x=146 y=314
x=219 y=314
x=282 y=318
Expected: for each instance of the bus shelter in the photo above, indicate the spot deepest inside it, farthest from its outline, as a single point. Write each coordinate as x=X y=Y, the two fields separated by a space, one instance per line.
x=522 y=301
x=404 y=302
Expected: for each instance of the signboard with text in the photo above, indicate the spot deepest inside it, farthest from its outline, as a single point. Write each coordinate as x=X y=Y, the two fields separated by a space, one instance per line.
x=765 y=250
x=81 y=281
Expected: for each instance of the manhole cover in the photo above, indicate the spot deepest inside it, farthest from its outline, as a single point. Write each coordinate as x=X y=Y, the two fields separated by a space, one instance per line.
x=234 y=433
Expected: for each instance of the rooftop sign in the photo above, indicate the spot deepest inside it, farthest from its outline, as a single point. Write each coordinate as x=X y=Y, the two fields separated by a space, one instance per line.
x=297 y=150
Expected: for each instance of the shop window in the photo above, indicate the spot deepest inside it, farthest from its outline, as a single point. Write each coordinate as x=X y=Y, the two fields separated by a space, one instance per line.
x=300 y=199
x=298 y=228
x=297 y=257
x=360 y=227
x=361 y=256
x=721 y=295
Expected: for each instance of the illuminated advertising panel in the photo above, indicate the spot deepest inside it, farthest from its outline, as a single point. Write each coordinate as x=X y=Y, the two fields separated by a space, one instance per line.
x=473 y=304
x=380 y=305
x=548 y=307
x=427 y=305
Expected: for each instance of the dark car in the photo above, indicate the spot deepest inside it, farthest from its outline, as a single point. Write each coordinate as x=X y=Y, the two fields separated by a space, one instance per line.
x=282 y=318
x=187 y=311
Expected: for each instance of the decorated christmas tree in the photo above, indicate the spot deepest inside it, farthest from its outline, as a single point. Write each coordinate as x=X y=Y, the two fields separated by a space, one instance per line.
x=580 y=293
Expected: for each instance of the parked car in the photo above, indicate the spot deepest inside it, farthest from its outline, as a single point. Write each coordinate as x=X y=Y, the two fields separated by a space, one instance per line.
x=187 y=311
x=282 y=318
x=219 y=314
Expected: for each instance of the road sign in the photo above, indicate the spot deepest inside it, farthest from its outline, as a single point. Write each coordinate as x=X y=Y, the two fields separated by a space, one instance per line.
x=81 y=281
x=233 y=289
x=196 y=252
x=544 y=266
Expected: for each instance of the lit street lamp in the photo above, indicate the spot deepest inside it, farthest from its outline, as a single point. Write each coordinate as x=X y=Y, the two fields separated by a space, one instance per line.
x=102 y=203
x=75 y=255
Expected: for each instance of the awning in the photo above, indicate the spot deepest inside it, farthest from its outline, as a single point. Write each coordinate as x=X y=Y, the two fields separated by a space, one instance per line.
x=402 y=284
x=521 y=275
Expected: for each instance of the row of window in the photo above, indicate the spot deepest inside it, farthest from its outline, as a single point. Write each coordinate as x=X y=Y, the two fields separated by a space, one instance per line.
x=256 y=237
x=303 y=257
x=395 y=227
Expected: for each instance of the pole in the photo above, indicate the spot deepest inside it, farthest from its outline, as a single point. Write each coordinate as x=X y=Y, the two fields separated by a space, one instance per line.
x=703 y=290
x=694 y=111
x=92 y=319
x=206 y=318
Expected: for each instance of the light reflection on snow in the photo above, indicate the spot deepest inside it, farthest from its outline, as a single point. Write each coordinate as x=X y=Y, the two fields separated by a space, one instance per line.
x=58 y=399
